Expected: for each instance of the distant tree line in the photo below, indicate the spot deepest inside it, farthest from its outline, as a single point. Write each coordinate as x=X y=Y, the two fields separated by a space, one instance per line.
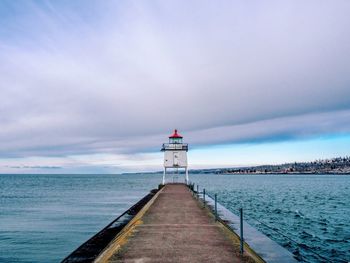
x=338 y=165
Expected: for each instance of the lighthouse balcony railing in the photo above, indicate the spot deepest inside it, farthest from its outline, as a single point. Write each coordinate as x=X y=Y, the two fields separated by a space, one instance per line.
x=175 y=146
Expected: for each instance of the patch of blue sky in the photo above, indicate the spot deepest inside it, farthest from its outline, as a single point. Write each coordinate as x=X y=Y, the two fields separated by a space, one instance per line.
x=328 y=146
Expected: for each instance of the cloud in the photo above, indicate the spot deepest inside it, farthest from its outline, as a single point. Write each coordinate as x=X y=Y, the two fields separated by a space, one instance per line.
x=115 y=77
x=34 y=167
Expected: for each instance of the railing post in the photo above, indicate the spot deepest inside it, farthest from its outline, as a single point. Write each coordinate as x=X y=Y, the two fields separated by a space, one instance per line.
x=197 y=190
x=241 y=228
x=216 y=207
x=203 y=197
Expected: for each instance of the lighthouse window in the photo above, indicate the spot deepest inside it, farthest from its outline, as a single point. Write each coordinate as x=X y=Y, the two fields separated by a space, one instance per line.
x=176 y=140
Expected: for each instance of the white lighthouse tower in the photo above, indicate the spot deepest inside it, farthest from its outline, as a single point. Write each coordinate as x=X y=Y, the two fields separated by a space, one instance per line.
x=175 y=155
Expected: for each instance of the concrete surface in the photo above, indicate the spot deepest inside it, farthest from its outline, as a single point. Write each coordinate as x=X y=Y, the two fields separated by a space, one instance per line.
x=176 y=228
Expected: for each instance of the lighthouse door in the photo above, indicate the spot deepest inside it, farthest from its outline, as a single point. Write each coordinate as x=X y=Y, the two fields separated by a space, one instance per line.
x=176 y=159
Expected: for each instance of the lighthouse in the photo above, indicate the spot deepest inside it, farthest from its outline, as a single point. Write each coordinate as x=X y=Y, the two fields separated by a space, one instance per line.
x=175 y=155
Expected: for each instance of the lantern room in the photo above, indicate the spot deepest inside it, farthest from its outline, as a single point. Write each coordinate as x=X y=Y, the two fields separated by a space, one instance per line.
x=175 y=137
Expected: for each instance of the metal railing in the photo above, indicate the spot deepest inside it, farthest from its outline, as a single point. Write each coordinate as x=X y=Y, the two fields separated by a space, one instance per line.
x=217 y=217
x=175 y=146
x=204 y=193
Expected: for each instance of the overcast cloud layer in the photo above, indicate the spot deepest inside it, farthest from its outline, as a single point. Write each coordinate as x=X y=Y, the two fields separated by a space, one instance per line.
x=114 y=77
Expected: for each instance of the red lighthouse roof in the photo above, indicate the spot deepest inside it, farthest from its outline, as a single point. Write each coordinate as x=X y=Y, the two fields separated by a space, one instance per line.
x=175 y=135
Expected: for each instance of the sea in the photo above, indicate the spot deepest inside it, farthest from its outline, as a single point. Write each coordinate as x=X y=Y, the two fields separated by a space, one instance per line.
x=45 y=217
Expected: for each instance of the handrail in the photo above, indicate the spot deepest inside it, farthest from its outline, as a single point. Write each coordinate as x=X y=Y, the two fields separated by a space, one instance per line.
x=249 y=216
x=175 y=146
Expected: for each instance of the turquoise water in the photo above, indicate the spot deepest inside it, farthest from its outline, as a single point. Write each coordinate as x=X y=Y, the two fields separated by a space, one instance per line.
x=44 y=217
x=313 y=211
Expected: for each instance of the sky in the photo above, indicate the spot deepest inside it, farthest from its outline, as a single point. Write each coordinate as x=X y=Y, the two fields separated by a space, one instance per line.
x=97 y=86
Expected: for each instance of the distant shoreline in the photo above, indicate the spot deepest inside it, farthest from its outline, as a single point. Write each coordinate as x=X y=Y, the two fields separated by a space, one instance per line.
x=215 y=171
x=301 y=173
x=334 y=166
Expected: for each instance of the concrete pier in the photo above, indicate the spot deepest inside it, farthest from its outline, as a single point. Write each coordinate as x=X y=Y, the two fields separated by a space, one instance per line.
x=175 y=227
